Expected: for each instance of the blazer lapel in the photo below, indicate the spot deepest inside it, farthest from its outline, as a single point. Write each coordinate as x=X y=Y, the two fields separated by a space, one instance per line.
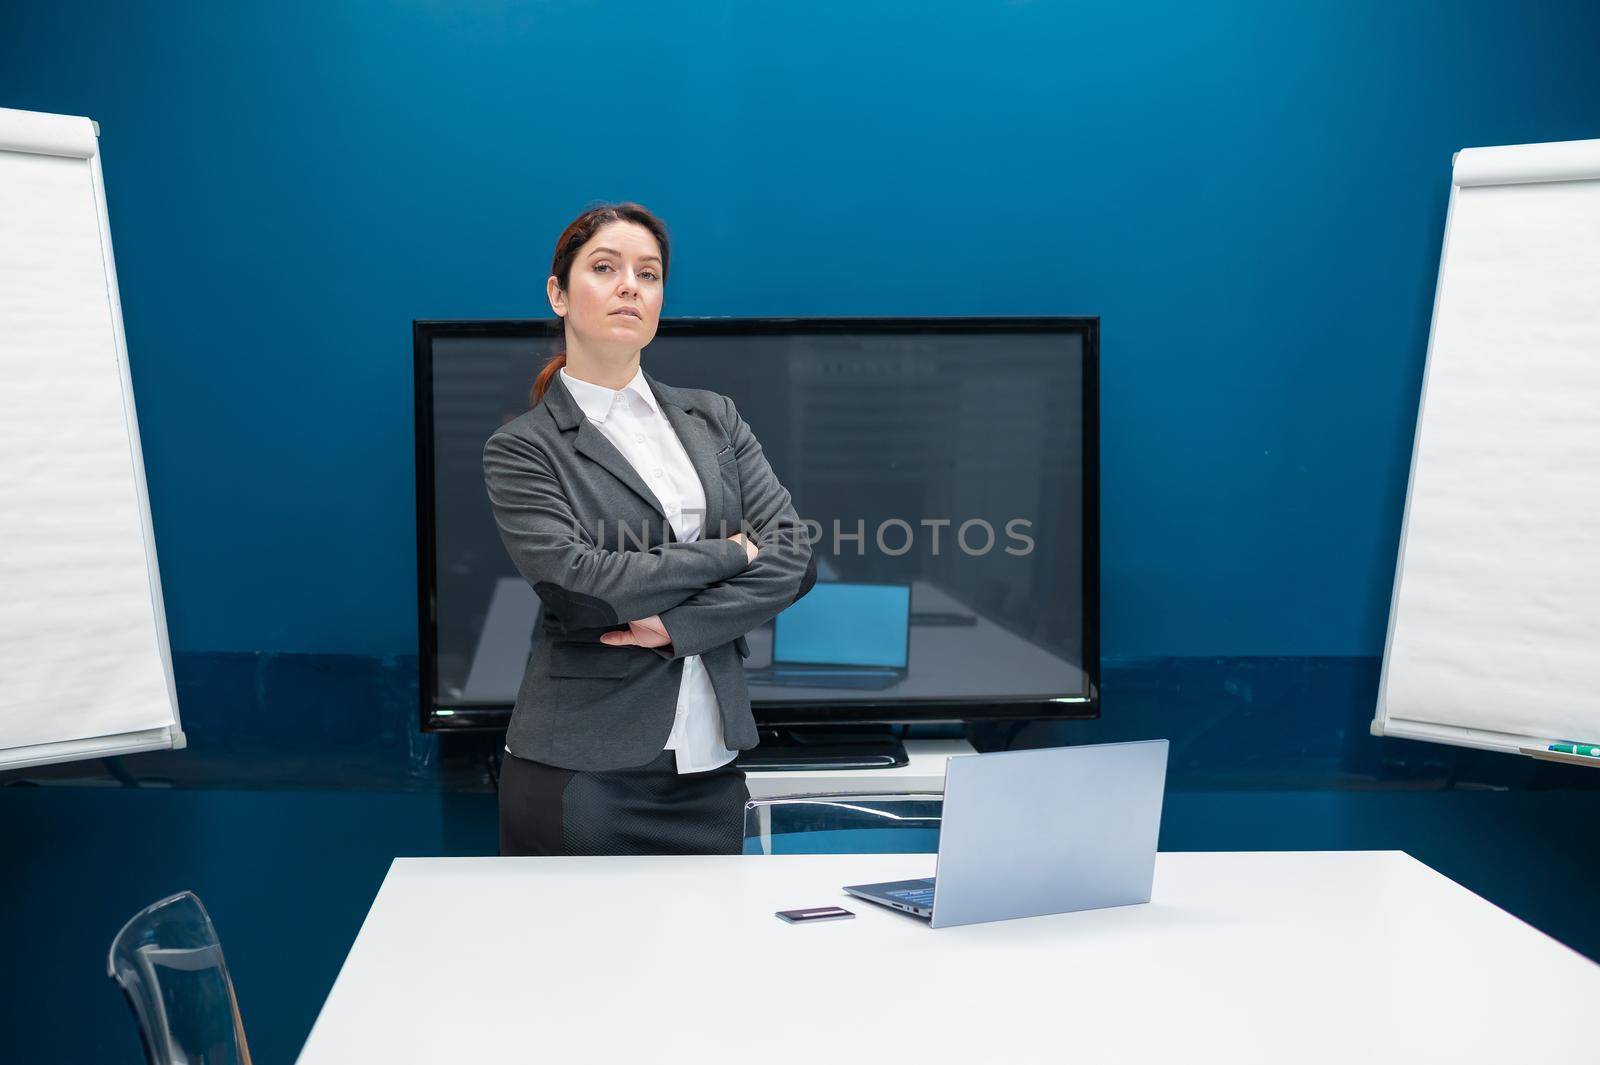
x=697 y=442
x=592 y=443
x=686 y=419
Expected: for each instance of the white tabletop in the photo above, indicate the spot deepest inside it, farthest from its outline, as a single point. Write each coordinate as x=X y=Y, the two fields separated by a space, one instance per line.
x=1365 y=956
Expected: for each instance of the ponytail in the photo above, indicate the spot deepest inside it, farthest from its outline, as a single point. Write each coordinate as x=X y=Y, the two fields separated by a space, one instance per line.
x=541 y=384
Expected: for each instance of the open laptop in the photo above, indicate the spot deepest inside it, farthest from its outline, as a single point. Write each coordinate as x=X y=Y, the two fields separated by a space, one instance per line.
x=1026 y=833
x=842 y=634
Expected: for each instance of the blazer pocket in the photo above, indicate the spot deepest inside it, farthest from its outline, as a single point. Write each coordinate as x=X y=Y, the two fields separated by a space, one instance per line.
x=588 y=660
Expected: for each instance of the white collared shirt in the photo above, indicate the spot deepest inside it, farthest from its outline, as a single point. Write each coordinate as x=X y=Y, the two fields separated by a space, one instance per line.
x=632 y=420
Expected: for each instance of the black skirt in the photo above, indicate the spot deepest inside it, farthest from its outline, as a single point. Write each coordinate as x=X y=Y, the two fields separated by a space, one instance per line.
x=646 y=809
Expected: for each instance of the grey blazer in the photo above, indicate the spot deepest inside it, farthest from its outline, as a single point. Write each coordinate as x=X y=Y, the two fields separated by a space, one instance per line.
x=596 y=545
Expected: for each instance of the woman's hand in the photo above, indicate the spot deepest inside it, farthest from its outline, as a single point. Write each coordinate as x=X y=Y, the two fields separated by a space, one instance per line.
x=646 y=632
x=750 y=548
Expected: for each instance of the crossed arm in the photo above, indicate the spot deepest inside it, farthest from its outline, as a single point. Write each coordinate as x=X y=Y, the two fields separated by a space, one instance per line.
x=782 y=572
x=585 y=585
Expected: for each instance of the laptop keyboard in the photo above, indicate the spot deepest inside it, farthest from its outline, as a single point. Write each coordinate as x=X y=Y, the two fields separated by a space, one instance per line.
x=915 y=896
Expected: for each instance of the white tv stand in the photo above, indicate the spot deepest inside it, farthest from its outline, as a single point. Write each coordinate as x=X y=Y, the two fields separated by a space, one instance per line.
x=923 y=773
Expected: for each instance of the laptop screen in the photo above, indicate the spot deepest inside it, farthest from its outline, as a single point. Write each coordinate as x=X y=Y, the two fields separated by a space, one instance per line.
x=842 y=624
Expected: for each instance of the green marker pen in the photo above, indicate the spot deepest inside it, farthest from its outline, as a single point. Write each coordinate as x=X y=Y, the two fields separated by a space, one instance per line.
x=1588 y=750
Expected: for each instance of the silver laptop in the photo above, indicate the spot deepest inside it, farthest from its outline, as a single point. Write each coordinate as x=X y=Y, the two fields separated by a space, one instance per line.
x=1026 y=833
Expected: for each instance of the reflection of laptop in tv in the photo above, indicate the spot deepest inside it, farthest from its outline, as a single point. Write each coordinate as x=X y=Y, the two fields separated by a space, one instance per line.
x=842 y=634
x=1026 y=833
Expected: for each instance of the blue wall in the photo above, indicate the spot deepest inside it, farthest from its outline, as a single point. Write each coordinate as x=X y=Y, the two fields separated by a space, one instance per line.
x=1250 y=194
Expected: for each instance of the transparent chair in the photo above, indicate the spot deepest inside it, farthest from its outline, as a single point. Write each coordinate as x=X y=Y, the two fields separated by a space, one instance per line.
x=168 y=962
x=866 y=823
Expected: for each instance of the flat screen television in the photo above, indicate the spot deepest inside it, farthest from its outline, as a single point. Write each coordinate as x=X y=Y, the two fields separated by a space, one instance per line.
x=946 y=469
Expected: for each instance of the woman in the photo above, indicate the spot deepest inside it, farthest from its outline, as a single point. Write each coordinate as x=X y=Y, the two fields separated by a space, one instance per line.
x=650 y=524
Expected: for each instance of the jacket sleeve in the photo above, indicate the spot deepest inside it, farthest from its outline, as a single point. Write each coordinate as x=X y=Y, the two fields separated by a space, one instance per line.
x=585 y=585
x=784 y=568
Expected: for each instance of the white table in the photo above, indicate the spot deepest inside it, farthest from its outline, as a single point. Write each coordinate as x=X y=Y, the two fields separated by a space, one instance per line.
x=1365 y=956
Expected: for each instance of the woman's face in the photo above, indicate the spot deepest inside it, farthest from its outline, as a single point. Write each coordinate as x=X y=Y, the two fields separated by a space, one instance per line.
x=618 y=268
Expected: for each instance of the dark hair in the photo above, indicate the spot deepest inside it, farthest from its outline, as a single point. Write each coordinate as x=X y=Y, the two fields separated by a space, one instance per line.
x=574 y=237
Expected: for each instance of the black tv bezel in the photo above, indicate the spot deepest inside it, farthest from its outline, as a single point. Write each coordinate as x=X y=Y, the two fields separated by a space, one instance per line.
x=490 y=717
